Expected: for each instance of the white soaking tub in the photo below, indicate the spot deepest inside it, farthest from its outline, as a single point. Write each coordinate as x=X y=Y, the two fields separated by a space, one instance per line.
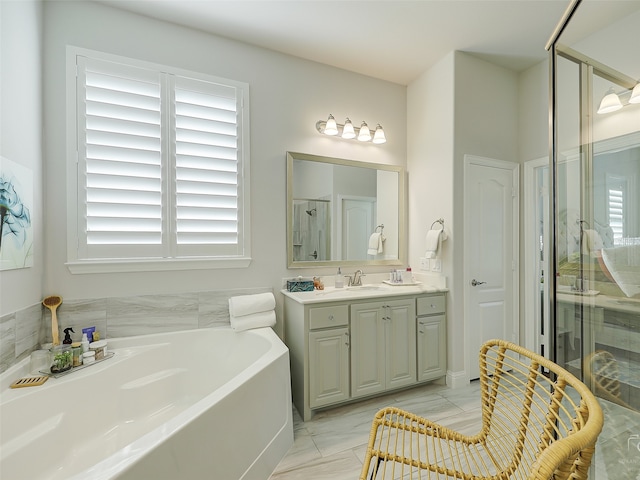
x=206 y=403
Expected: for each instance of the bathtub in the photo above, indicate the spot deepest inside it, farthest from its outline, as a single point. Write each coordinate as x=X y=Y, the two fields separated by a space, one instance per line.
x=206 y=403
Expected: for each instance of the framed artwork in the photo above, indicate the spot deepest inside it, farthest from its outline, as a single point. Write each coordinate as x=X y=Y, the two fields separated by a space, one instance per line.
x=16 y=204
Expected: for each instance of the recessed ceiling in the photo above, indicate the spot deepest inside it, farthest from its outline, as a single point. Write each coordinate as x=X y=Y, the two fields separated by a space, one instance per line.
x=390 y=40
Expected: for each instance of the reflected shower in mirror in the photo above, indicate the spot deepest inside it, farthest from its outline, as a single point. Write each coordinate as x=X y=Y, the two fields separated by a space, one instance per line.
x=311 y=230
x=334 y=206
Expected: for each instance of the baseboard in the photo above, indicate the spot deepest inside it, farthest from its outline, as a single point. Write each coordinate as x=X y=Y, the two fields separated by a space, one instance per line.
x=457 y=379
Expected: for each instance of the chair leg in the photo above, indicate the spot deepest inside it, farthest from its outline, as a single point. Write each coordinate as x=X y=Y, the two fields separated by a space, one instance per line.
x=374 y=471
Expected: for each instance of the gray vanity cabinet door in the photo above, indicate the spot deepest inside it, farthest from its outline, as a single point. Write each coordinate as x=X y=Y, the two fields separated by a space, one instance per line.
x=367 y=349
x=383 y=351
x=400 y=343
x=328 y=366
x=432 y=358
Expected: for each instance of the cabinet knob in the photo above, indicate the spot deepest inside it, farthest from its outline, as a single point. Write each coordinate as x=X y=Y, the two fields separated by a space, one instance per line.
x=433 y=306
x=331 y=317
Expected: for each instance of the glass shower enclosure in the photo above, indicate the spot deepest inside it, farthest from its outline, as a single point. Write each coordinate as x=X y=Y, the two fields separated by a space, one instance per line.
x=595 y=295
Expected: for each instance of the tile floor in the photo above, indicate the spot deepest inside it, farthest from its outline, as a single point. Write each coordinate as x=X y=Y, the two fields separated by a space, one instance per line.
x=332 y=445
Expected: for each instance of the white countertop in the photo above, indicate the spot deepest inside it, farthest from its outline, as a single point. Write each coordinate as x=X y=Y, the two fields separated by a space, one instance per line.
x=372 y=291
x=620 y=304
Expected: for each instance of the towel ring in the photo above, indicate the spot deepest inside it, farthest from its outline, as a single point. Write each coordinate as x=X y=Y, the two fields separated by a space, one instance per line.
x=440 y=221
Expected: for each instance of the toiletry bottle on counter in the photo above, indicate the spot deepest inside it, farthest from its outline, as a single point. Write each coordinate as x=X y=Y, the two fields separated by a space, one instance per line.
x=407 y=276
x=339 y=281
x=85 y=343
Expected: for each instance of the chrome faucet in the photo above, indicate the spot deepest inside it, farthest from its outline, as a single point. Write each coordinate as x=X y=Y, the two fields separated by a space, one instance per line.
x=356 y=280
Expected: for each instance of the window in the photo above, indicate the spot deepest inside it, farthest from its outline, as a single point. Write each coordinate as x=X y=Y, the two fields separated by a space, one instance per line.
x=616 y=195
x=160 y=174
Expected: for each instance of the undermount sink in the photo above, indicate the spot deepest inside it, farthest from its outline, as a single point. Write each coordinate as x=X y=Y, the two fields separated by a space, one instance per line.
x=367 y=287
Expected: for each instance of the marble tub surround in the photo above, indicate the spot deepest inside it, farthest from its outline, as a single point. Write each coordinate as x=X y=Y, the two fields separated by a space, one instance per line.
x=144 y=314
x=20 y=334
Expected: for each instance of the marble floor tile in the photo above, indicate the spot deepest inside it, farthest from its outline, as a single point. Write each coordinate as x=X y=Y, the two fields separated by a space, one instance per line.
x=333 y=444
x=341 y=466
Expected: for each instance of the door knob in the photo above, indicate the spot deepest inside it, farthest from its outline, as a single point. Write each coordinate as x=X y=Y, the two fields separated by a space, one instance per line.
x=475 y=283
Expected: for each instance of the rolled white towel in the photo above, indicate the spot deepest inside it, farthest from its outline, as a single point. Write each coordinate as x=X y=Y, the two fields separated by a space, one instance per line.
x=255 y=320
x=250 y=304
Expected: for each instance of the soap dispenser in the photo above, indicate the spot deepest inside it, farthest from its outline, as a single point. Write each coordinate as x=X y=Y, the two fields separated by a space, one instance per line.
x=67 y=336
x=339 y=281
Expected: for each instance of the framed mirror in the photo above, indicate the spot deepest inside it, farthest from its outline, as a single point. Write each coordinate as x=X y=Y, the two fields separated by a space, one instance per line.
x=344 y=212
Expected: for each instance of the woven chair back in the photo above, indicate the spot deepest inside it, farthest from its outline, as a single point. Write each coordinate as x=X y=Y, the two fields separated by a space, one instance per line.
x=543 y=418
x=539 y=422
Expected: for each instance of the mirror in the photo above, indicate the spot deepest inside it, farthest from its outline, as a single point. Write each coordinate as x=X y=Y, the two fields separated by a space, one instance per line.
x=334 y=208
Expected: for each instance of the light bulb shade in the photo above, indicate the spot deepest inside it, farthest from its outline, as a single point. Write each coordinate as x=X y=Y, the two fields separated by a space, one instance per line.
x=610 y=103
x=378 y=136
x=364 y=135
x=635 y=95
x=331 y=128
x=348 y=131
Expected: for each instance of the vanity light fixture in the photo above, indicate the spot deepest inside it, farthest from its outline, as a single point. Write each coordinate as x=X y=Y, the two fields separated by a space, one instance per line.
x=348 y=131
x=364 y=135
x=331 y=128
x=610 y=102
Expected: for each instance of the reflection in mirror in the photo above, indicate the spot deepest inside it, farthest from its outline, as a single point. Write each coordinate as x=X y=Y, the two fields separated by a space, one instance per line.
x=337 y=209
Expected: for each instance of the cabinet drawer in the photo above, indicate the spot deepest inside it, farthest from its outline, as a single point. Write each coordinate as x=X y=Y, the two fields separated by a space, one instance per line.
x=325 y=317
x=430 y=305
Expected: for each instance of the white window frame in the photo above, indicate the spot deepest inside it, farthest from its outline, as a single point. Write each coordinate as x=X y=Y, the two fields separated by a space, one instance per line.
x=76 y=225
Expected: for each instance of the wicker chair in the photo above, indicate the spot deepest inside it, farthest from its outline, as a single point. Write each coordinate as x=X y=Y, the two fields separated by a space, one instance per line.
x=532 y=427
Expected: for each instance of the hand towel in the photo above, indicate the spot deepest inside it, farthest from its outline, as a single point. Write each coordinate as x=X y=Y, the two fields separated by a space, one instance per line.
x=624 y=265
x=376 y=246
x=255 y=320
x=250 y=304
x=433 y=243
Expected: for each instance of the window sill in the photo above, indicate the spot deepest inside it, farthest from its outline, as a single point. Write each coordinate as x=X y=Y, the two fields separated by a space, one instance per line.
x=79 y=267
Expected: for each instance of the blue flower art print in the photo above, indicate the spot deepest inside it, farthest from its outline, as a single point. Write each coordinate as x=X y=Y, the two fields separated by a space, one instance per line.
x=16 y=232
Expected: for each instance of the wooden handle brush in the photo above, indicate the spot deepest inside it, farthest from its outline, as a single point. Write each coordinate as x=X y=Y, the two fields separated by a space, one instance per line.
x=52 y=303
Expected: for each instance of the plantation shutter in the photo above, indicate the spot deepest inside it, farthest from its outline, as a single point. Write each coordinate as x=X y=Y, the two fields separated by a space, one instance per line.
x=206 y=167
x=120 y=160
x=158 y=164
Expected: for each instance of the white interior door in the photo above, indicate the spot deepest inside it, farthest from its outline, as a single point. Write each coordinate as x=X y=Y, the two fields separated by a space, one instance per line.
x=491 y=254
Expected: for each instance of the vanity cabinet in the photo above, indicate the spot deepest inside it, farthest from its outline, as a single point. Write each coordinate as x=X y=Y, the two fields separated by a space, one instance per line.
x=344 y=347
x=383 y=346
x=432 y=337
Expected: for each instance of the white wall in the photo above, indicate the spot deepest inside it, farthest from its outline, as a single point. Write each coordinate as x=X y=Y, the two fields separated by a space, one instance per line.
x=486 y=125
x=21 y=133
x=430 y=140
x=288 y=95
x=462 y=105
